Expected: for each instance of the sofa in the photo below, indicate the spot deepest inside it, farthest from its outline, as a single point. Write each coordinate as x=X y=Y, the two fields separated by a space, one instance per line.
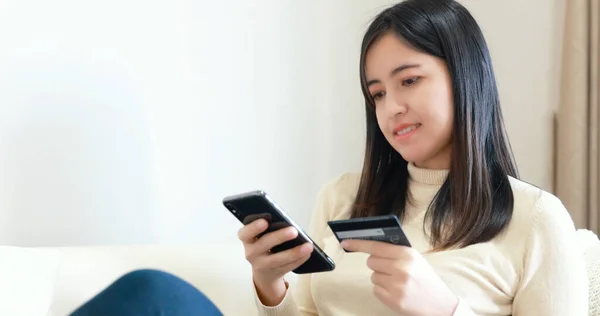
x=53 y=281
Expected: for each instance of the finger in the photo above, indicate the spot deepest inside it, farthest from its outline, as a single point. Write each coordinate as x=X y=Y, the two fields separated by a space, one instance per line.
x=381 y=279
x=272 y=239
x=384 y=295
x=286 y=258
x=357 y=245
x=262 y=247
x=295 y=264
x=384 y=265
x=392 y=283
x=248 y=233
x=377 y=248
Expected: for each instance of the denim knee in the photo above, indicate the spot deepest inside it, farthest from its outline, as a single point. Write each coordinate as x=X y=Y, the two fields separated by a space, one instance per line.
x=149 y=282
x=149 y=292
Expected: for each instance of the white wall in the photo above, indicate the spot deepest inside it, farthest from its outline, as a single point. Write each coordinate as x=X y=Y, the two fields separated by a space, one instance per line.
x=128 y=121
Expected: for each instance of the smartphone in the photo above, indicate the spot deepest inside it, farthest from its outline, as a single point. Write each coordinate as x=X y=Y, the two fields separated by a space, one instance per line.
x=250 y=206
x=385 y=228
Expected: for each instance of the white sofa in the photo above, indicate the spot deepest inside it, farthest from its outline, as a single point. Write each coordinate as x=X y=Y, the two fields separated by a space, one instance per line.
x=53 y=281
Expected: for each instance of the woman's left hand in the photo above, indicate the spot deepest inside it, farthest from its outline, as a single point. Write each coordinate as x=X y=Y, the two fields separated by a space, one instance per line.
x=403 y=280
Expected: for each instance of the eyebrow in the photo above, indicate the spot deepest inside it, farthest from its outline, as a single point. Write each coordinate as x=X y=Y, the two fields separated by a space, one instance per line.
x=394 y=72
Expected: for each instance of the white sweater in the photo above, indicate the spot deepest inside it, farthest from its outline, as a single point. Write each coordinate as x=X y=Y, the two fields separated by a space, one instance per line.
x=533 y=268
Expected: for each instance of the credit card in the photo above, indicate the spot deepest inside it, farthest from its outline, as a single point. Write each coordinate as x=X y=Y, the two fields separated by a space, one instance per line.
x=384 y=228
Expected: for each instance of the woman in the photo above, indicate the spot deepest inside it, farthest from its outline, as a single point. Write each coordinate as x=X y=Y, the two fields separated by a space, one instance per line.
x=437 y=155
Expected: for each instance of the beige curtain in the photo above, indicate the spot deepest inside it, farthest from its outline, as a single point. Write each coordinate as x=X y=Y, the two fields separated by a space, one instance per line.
x=577 y=161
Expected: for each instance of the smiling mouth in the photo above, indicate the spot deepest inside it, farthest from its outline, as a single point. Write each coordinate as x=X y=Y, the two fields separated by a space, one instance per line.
x=407 y=130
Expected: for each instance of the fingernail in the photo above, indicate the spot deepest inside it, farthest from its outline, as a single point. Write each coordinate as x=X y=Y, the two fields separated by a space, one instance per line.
x=260 y=223
x=344 y=243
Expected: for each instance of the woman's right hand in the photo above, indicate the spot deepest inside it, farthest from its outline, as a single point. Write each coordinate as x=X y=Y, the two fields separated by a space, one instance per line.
x=268 y=269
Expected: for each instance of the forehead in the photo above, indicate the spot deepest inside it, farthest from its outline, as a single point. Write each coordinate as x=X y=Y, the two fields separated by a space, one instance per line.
x=388 y=52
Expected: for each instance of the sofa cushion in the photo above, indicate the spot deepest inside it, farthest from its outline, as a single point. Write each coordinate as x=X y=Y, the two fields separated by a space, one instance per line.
x=591 y=249
x=219 y=270
x=28 y=277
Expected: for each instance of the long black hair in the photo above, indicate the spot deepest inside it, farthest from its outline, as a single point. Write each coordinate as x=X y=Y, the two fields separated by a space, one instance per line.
x=475 y=203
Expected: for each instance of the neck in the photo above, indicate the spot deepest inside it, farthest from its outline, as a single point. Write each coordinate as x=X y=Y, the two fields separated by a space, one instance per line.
x=439 y=161
x=423 y=185
x=427 y=176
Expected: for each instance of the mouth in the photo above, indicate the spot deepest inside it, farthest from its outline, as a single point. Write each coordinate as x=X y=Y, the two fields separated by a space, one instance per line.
x=406 y=130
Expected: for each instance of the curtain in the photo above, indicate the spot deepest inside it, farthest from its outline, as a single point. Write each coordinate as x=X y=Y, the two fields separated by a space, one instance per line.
x=577 y=172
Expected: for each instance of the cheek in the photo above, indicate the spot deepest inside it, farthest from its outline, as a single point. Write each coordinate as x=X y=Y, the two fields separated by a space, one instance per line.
x=440 y=113
x=382 y=120
x=441 y=119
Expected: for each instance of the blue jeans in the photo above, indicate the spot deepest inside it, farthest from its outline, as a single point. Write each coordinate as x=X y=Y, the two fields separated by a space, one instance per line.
x=148 y=293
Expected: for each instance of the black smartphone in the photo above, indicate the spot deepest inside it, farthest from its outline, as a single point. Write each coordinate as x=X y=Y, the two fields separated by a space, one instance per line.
x=250 y=206
x=385 y=228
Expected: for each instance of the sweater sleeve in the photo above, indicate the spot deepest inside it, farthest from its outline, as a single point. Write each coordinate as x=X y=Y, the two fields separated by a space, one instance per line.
x=554 y=280
x=298 y=300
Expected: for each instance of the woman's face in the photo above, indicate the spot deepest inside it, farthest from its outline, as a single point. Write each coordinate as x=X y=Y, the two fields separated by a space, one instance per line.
x=413 y=99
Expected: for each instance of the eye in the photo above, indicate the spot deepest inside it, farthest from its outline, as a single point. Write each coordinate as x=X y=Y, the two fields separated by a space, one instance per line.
x=377 y=96
x=410 y=81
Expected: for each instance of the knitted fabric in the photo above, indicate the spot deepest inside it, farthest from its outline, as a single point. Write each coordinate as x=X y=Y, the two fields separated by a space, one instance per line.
x=591 y=248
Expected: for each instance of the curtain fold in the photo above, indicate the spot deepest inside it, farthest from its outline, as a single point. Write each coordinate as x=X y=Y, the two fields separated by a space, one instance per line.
x=577 y=174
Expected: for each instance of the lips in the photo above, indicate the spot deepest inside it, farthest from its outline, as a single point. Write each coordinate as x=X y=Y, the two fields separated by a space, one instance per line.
x=404 y=129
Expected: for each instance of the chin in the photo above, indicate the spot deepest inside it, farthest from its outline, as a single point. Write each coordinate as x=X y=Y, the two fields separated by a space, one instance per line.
x=424 y=161
x=411 y=156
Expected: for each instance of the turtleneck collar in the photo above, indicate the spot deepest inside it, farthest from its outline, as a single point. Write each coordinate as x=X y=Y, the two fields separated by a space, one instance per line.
x=427 y=176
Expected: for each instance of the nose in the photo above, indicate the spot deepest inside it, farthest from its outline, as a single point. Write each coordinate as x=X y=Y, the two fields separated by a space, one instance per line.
x=395 y=105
